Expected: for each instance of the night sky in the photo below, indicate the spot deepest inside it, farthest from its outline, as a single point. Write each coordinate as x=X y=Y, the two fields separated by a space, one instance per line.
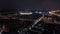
x=30 y=4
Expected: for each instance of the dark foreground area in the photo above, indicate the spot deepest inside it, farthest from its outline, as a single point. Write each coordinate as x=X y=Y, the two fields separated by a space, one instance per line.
x=39 y=28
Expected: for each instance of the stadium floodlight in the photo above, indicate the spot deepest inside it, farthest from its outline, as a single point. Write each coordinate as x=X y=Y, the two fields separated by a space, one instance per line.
x=25 y=13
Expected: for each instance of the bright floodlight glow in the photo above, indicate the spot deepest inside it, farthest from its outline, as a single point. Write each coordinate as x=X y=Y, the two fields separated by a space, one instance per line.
x=52 y=12
x=29 y=13
x=40 y=12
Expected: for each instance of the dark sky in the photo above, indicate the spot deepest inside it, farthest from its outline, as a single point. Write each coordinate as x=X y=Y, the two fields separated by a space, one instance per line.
x=31 y=4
